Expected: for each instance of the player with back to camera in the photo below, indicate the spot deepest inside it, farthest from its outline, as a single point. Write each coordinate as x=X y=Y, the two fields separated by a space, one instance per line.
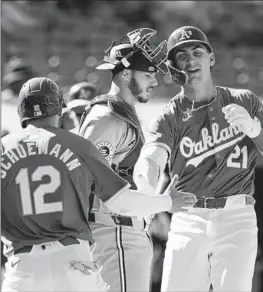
x=47 y=176
x=210 y=136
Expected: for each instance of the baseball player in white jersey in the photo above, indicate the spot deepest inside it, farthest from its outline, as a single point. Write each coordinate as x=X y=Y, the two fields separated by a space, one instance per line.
x=210 y=136
x=123 y=246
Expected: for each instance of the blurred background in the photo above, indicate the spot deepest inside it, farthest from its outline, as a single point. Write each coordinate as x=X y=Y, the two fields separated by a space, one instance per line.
x=65 y=39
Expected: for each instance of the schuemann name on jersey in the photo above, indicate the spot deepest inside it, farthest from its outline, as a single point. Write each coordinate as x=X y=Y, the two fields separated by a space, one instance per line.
x=26 y=149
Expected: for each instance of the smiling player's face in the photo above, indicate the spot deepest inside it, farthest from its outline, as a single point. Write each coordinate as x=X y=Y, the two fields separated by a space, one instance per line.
x=196 y=61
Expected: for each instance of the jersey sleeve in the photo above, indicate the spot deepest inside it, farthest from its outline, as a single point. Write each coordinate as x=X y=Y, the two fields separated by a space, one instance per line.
x=257 y=107
x=251 y=103
x=107 y=182
x=105 y=133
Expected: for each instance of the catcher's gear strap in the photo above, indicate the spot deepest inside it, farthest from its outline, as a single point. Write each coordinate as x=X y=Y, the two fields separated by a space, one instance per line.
x=150 y=165
x=126 y=112
x=123 y=171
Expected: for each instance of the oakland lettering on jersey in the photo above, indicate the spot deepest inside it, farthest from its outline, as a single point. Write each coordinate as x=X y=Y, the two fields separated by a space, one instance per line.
x=31 y=148
x=202 y=149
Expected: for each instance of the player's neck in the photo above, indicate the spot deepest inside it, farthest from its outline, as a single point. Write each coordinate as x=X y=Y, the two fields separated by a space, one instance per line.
x=47 y=122
x=122 y=93
x=200 y=93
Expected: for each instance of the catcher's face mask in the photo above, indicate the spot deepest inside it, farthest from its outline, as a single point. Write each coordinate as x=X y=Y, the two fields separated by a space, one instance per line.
x=135 y=51
x=140 y=39
x=178 y=76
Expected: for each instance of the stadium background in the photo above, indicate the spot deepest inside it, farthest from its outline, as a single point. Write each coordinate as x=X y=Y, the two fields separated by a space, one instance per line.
x=65 y=39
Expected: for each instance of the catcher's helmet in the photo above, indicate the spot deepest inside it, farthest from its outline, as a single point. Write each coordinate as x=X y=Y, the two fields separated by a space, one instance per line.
x=38 y=98
x=181 y=36
x=135 y=51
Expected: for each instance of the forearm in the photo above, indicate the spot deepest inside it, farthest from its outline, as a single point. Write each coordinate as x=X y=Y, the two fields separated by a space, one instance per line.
x=150 y=166
x=143 y=186
x=146 y=172
x=134 y=203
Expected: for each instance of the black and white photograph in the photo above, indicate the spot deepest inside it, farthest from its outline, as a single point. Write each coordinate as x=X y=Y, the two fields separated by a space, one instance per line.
x=131 y=146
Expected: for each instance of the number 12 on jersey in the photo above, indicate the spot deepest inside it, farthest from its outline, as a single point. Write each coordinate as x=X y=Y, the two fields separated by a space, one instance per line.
x=36 y=199
x=238 y=158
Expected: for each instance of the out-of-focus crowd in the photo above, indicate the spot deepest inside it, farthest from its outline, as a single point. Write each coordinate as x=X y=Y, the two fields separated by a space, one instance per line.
x=16 y=72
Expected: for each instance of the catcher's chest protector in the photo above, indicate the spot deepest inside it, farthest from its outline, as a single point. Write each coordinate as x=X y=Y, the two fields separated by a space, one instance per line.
x=125 y=112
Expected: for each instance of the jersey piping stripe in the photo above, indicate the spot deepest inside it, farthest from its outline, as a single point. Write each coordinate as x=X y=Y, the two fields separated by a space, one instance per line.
x=121 y=258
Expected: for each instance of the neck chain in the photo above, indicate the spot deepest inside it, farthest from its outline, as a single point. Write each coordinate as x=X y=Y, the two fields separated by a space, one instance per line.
x=189 y=111
x=214 y=96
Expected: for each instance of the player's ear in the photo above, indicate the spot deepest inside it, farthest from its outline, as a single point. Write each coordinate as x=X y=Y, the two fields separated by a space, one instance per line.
x=126 y=75
x=212 y=59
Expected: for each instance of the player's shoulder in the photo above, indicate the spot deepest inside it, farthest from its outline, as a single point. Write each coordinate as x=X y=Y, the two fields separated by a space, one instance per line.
x=170 y=108
x=102 y=114
x=107 y=109
x=100 y=110
x=103 y=98
x=101 y=102
x=71 y=140
x=11 y=140
x=236 y=94
x=99 y=107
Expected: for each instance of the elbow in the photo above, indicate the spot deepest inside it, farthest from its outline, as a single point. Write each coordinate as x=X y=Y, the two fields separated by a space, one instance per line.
x=137 y=173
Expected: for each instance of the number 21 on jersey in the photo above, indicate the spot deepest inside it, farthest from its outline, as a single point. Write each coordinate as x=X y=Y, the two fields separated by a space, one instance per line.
x=238 y=158
x=34 y=203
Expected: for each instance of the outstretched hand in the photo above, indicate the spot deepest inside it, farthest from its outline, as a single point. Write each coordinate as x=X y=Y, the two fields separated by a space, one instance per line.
x=180 y=200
